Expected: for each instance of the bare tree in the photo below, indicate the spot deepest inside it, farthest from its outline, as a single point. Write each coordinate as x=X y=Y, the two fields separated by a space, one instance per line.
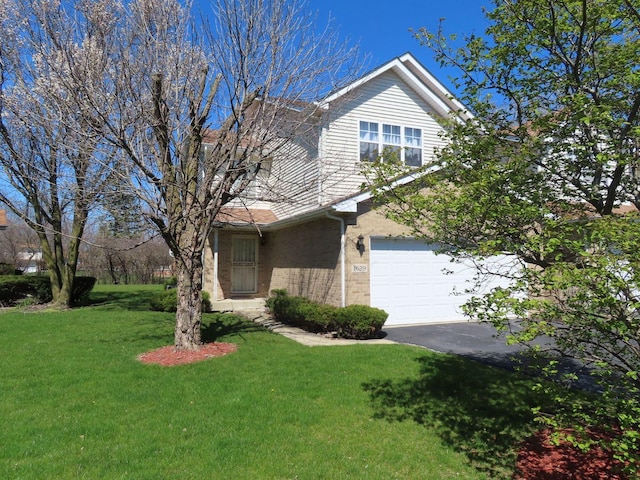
x=248 y=82
x=120 y=259
x=51 y=149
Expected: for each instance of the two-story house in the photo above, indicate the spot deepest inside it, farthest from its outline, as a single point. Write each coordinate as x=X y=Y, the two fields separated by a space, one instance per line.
x=321 y=239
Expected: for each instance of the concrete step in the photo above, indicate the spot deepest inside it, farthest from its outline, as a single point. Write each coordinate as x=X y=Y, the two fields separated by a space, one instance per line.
x=238 y=304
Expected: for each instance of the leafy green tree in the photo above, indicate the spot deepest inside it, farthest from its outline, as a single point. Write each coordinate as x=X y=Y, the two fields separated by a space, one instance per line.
x=546 y=169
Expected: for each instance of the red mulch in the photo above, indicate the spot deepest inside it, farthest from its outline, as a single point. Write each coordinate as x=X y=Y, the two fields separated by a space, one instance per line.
x=540 y=459
x=169 y=356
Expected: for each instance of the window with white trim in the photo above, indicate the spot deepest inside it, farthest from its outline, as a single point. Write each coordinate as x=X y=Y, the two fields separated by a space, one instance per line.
x=406 y=142
x=369 y=141
x=412 y=146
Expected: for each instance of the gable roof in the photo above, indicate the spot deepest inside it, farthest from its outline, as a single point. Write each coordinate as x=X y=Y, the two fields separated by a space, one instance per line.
x=418 y=78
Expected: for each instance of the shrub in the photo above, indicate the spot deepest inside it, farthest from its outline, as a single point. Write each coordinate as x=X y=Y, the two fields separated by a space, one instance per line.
x=206 y=301
x=317 y=317
x=360 y=321
x=167 y=301
x=14 y=288
x=355 y=321
x=170 y=282
x=41 y=288
x=290 y=309
x=82 y=286
x=9 y=269
x=276 y=293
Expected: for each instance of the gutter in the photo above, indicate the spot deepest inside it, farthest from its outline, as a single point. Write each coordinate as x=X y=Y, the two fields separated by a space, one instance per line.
x=343 y=278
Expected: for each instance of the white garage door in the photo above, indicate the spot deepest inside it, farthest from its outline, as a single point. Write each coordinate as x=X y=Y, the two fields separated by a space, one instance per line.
x=409 y=281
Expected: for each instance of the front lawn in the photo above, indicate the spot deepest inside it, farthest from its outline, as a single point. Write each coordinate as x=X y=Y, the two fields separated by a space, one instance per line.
x=75 y=403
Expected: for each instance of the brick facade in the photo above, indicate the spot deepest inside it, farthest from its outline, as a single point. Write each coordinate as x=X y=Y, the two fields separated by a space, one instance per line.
x=305 y=259
x=368 y=223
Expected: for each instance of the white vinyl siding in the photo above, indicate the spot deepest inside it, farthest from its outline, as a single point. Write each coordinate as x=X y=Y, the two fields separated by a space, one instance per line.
x=385 y=100
x=294 y=179
x=303 y=177
x=289 y=187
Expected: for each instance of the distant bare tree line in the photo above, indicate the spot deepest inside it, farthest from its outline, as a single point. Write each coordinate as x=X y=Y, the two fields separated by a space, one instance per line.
x=111 y=259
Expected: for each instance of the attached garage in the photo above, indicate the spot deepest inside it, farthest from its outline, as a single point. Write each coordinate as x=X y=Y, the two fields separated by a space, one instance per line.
x=414 y=285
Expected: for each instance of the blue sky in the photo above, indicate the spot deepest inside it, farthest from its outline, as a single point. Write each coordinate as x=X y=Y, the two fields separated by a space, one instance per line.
x=381 y=28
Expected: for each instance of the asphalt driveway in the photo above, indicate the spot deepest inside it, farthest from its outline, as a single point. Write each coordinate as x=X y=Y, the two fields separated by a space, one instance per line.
x=477 y=341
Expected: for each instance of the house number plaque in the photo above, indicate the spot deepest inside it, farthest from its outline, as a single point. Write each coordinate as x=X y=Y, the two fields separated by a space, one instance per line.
x=359 y=268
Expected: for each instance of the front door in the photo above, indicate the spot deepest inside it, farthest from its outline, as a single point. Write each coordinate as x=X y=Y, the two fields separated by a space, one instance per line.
x=244 y=265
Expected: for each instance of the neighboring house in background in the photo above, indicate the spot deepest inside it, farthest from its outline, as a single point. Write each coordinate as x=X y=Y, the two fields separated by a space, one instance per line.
x=30 y=259
x=322 y=239
x=18 y=246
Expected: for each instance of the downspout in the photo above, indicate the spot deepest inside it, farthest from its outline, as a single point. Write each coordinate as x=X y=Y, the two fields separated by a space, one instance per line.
x=215 y=265
x=319 y=165
x=343 y=277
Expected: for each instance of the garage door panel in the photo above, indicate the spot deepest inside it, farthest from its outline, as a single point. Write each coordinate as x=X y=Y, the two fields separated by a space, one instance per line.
x=414 y=285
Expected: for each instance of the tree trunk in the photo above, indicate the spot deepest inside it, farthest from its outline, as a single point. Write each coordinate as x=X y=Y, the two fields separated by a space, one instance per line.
x=189 y=308
x=62 y=287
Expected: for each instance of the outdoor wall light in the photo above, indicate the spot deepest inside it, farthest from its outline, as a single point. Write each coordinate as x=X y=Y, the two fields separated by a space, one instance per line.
x=360 y=244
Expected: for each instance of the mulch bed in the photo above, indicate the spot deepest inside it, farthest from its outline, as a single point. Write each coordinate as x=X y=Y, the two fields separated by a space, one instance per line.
x=168 y=356
x=540 y=459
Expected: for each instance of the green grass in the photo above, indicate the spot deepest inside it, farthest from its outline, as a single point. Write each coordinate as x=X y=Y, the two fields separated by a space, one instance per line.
x=75 y=403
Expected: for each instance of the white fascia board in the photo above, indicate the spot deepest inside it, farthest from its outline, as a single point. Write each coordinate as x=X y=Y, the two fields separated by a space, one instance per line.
x=419 y=79
x=427 y=78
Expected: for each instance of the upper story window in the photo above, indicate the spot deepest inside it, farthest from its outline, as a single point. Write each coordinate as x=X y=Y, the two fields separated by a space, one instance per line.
x=369 y=141
x=413 y=146
x=406 y=142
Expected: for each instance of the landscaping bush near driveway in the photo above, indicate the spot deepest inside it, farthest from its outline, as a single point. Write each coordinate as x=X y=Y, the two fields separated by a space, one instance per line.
x=360 y=321
x=354 y=321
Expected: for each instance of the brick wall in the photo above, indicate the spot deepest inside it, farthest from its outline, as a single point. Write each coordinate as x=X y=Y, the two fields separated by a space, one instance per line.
x=368 y=223
x=305 y=260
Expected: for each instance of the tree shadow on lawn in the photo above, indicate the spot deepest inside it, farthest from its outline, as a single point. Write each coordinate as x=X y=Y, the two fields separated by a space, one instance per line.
x=135 y=300
x=219 y=325
x=481 y=411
